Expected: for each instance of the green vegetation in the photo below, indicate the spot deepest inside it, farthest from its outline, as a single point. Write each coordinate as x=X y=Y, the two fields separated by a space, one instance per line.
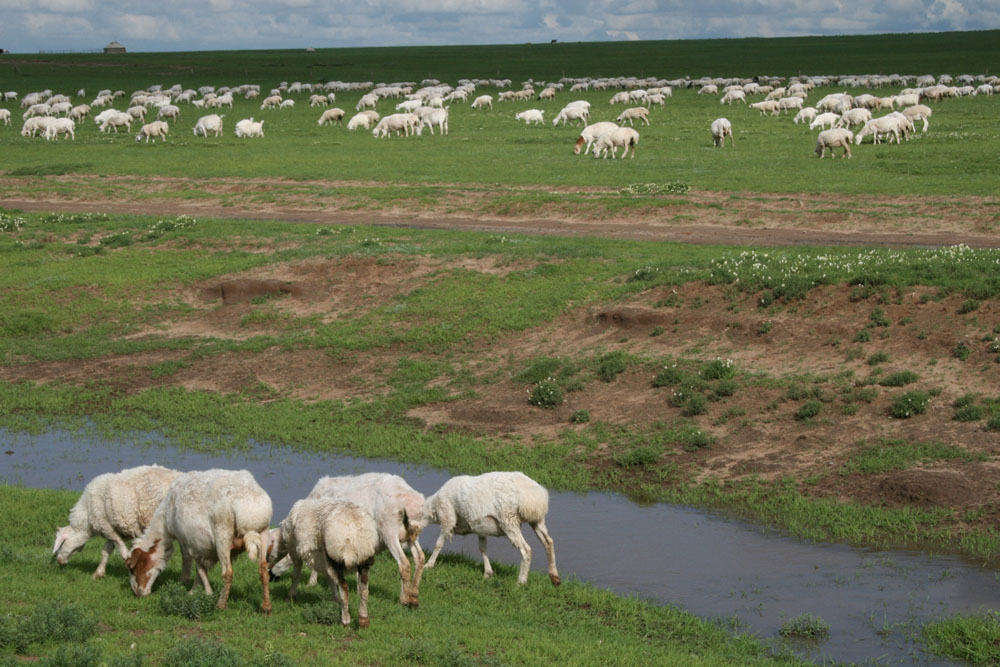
x=889 y=455
x=909 y=404
x=973 y=639
x=805 y=626
x=499 y=620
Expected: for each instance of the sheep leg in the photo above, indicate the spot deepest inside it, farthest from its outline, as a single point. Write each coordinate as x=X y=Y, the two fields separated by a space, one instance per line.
x=203 y=577
x=513 y=533
x=550 y=550
x=338 y=583
x=487 y=567
x=185 y=567
x=106 y=550
x=363 y=573
x=223 y=550
x=265 y=583
x=442 y=538
x=296 y=575
x=396 y=549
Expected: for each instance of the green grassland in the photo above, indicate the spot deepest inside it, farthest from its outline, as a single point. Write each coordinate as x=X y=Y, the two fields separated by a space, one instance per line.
x=957 y=157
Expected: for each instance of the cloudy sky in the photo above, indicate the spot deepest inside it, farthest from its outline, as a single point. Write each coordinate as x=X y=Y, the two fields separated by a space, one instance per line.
x=173 y=25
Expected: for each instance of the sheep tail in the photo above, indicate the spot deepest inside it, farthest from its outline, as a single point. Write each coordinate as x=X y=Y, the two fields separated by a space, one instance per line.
x=256 y=545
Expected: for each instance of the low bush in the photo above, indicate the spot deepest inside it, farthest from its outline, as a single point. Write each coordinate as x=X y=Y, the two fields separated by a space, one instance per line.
x=909 y=404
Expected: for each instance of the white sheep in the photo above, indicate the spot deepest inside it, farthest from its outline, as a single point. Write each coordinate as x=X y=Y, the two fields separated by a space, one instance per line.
x=530 y=116
x=722 y=128
x=482 y=102
x=918 y=112
x=642 y=113
x=362 y=120
x=79 y=112
x=431 y=116
x=409 y=106
x=805 y=115
x=793 y=102
x=332 y=536
x=171 y=111
x=117 y=506
x=832 y=139
x=318 y=100
x=888 y=125
x=5 y=116
x=157 y=128
x=709 y=89
x=825 y=120
x=271 y=102
x=210 y=514
x=35 y=125
x=367 y=100
x=398 y=511
x=734 y=96
x=611 y=141
x=64 y=126
x=248 y=127
x=287 y=104
x=40 y=109
x=856 y=116
x=767 y=107
x=116 y=119
x=590 y=134
x=496 y=503
x=334 y=115
x=403 y=124
x=572 y=112
x=137 y=112
x=209 y=123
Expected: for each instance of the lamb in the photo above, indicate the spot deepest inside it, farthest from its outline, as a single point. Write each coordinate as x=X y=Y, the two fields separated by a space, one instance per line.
x=858 y=116
x=629 y=115
x=211 y=514
x=918 y=112
x=833 y=138
x=117 y=506
x=805 y=115
x=590 y=134
x=59 y=126
x=572 y=112
x=824 y=119
x=334 y=115
x=722 y=128
x=496 y=503
x=623 y=136
x=157 y=128
x=250 y=128
x=209 y=123
x=398 y=511
x=333 y=536
x=530 y=116
x=287 y=104
x=482 y=102
x=116 y=119
x=767 y=107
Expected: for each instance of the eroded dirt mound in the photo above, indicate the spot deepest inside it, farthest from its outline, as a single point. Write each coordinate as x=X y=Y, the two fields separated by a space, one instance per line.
x=632 y=317
x=245 y=289
x=924 y=488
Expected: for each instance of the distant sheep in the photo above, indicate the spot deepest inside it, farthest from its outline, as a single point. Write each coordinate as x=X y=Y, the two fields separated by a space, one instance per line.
x=642 y=113
x=334 y=115
x=117 y=506
x=482 y=102
x=496 y=503
x=5 y=116
x=570 y=113
x=805 y=115
x=248 y=127
x=734 y=96
x=825 y=120
x=530 y=116
x=271 y=102
x=157 y=128
x=722 y=128
x=830 y=139
x=209 y=123
x=623 y=137
x=590 y=134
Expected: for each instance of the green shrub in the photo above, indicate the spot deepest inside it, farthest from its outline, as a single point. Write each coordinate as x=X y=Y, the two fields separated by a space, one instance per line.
x=908 y=404
x=668 y=377
x=878 y=358
x=539 y=369
x=718 y=369
x=580 y=417
x=696 y=404
x=725 y=388
x=993 y=423
x=863 y=336
x=961 y=352
x=899 y=379
x=968 y=306
x=805 y=626
x=970 y=413
x=546 y=393
x=195 y=652
x=878 y=318
x=808 y=410
x=58 y=621
x=611 y=365
x=326 y=612
x=174 y=600
x=68 y=655
x=117 y=240
x=640 y=456
x=694 y=438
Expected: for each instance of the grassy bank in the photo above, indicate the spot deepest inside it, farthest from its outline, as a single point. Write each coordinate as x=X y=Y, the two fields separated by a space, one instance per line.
x=59 y=613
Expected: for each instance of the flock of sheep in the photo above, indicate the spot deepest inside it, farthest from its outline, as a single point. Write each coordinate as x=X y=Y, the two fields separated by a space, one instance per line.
x=427 y=105
x=344 y=522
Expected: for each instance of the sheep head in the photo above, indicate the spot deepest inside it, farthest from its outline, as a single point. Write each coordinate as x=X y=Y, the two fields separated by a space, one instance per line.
x=145 y=565
x=69 y=540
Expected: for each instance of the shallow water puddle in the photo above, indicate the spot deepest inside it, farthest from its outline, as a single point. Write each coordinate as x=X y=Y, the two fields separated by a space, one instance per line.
x=714 y=567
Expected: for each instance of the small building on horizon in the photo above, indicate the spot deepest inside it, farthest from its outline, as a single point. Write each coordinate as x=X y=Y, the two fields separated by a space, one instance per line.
x=114 y=47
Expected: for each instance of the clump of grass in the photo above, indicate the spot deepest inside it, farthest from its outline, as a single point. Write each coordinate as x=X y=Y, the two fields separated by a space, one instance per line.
x=968 y=306
x=909 y=404
x=668 y=377
x=611 y=365
x=49 y=621
x=538 y=370
x=765 y=327
x=546 y=393
x=641 y=456
x=863 y=336
x=974 y=639
x=29 y=322
x=694 y=438
x=878 y=358
x=718 y=369
x=808 y=410
x=725 y=388
x=961 y=352
x=878 y=318
x=326 y=612
x=174 y=600
x=69 y=655
x=970 y=413
x=900 y=454
x=580 y=417
x=899 y=379
x=10 y=223
x=805 y=626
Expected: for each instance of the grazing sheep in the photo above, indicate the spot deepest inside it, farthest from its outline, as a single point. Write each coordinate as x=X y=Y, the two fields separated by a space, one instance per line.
x=250 y=128
x=333 y=536
x=482 y=102
x=888 y=125
x=35 y=125
x=287 y=104
x=79 y=112
x=367 y=100
x=496 y=503
x=398 y=511
x=530 y=116
x=137 y=112
x=403 y=124
x=722 y=128
x=918 y=112
x=117 y=506
x=170 y=111
x=64 y=126
x=857 y=116
x=825 y=120
x=334 y=115
x=786 y=103
x=805 y=115
x=157 y=128
x=622 y=137
x=318 y=100
x=211 y=514
x=590 y=134
x=209 y=123
x=642 y=113
x=40 y=109
x=116 y=119
x=409 y=106
x=572 y=112
x=5 y=116
x=767 y=107
x=709 y=89
x=362 y=120
x=833 y=138
x=431 y=116
x=734 y=96
x=271 y=102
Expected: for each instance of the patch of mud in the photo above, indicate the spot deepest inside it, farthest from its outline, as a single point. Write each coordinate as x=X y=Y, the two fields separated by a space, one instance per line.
x=924 y=488
x=245 y=290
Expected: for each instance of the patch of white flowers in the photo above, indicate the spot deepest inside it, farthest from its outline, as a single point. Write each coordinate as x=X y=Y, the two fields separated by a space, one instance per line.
x=10 y=223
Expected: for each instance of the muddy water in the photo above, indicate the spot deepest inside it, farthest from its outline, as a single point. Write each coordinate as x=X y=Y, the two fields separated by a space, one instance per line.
x=874 y=601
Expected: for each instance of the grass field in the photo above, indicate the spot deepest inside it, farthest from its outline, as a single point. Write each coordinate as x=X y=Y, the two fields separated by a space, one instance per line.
x=956 y=157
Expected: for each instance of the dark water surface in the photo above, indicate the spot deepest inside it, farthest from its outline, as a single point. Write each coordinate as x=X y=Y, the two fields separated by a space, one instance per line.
x=874 y=601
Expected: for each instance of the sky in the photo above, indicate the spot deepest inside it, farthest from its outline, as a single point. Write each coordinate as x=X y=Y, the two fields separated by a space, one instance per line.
x=30 y=26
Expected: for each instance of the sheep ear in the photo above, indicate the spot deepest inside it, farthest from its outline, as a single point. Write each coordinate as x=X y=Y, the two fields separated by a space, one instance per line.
x=60 y=538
